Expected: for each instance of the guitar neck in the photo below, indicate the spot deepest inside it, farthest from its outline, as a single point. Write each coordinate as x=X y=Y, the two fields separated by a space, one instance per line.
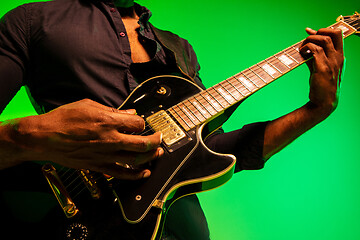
x=212 y=102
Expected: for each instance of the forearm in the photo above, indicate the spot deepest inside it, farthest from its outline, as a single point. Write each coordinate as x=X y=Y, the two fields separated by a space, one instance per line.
x=11 y=153
x=282 y=131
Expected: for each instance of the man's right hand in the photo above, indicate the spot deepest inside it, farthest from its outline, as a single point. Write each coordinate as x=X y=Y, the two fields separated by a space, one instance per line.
x=87 y=135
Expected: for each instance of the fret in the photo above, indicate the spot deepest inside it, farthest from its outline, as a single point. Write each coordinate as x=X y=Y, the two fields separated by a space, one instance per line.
x=274 y=73
x=202 y=109
x=195 y=111
x=297 y=54
x=184 y=117
x=288 y=55
x=266 y=72
x=211 y=102
x=253 y=78
x=282 y=62
x=193 y=118
x=246 y=83
x=230 y=89
x=297 y=46
x=285 y=60
x=272 y=65
x=238 y=93
x=223 y=93
x=217 y=96
x=262 y=79
x=214 y=103
x=240 y=86
x=347 y=28
x=178 y=118
x=250 y=81
x=210 y=107
x=241 y=81
x=280 y=65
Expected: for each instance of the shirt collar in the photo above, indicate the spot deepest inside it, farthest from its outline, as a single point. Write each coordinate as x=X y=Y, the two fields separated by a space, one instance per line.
x=143 y=13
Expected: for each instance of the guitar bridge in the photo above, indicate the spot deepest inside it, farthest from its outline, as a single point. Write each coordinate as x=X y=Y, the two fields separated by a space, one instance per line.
x=162 y=122
x=90 y=183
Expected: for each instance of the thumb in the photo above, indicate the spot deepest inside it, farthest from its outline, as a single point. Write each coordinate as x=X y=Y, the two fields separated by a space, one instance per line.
x=310 y=31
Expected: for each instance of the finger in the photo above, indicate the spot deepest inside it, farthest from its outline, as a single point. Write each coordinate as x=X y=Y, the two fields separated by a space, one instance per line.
x=138 y=159
x=106 y=108
x=129 y=123
x=135 y=143
x=322 y=41
x=120 y=172
x=336 y=36
x=122 y=122
x=320 y=59
x=126 y=111
x=310 y=31
x=122 y=142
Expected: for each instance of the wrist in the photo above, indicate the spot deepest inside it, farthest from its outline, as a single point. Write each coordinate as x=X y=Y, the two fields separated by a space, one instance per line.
x=11 y=152
x=320 y=111
x=16 y=143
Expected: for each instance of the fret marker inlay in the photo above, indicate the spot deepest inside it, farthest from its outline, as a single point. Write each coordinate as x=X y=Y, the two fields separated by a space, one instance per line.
x=286 y=60
x=269 y=69
x=247 y=83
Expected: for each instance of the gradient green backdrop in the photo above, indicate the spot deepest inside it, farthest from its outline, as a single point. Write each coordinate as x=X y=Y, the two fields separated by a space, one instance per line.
x=311 y=190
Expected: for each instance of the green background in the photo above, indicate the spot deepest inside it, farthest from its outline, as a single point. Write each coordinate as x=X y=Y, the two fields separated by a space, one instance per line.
x=310 y=190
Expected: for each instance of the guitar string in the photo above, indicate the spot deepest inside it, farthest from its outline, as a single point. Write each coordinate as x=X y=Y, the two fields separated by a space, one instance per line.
x=143 y=133
x=148 y=127
x=349 y=21
x=70 y=175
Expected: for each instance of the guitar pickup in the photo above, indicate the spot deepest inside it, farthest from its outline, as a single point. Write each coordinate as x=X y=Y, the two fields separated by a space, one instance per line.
x=162 y=122
x=90 y=183
x=63 y=197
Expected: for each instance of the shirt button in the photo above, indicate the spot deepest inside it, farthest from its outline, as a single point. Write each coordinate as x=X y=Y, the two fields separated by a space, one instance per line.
x=112 y=10
x=122 y=34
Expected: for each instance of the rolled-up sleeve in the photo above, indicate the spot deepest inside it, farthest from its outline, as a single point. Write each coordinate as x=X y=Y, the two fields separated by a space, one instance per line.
x=246 y=144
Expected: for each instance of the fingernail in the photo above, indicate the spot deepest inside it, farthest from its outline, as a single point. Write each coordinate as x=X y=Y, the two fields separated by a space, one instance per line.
x=146 y=174
x=160 y=152
x=131 y=111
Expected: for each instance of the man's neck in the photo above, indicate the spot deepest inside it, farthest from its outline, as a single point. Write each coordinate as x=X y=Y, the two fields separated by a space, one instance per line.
x=124 y=3
x=126 y=8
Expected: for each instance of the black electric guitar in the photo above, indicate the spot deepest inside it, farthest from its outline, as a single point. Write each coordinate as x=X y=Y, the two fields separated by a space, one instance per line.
x=185 y=114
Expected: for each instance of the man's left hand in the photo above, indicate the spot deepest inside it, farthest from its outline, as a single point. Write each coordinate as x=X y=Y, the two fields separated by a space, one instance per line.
x=326 y=65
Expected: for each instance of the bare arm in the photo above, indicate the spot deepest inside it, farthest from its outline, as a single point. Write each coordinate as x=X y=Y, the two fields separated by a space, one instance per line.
x=84 y=134
x=326 y=47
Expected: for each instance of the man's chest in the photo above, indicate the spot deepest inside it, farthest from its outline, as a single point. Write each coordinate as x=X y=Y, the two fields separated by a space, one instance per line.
x=138 y=51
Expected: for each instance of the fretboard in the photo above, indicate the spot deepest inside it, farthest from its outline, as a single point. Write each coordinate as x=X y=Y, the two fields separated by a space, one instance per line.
x=211 y=102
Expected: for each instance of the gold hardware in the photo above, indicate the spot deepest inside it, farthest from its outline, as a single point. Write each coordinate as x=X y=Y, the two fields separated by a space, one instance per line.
x=340 y=18
x=158 y=203
x=90 y=183
x=162 y=122
x=63 y=197
x=161 y=91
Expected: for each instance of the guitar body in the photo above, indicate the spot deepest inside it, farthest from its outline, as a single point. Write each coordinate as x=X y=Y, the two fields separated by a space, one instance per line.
x=136 y=210
x=187 y=166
